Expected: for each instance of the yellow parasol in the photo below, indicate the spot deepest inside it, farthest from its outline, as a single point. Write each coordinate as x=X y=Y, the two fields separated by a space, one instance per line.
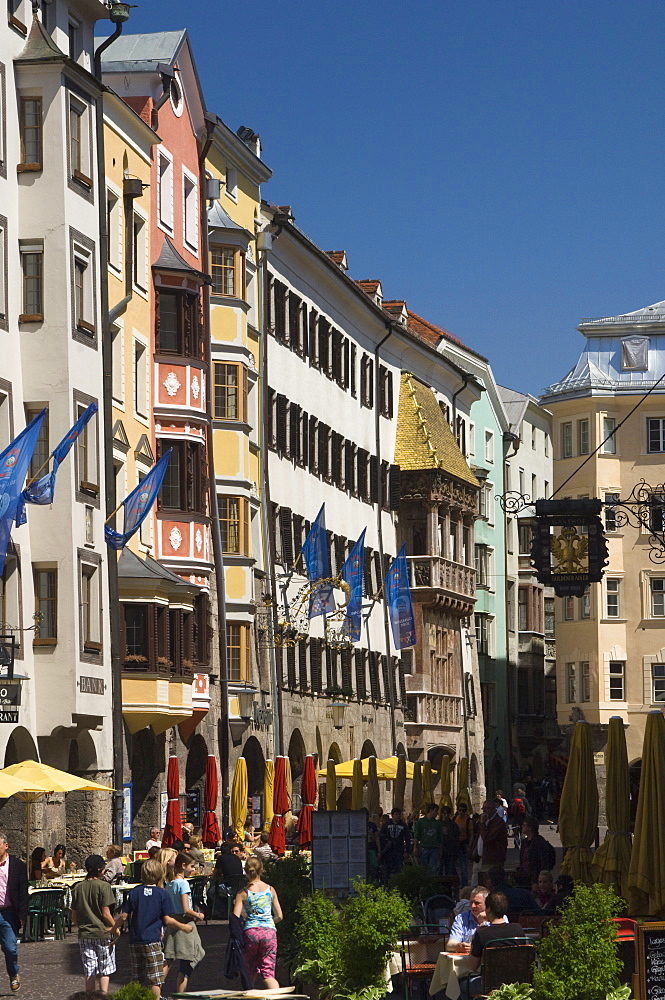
x=268 y=791
x=36 y=780
x=646 y=877
x=373 y=804
x=417 y=789
x=239 y=799
x=445 y=799
x=428 y=797
x=386 y=770
x=463 y=783
x=400 y=783
x=331 y=787
x=578 y=812
x=357 y=785
x=612 y=859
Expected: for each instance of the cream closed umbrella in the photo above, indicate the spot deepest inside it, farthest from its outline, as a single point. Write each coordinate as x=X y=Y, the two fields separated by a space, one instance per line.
x=268 y=792
x=399 y=787
x=578 y=811
x=331 y=787
x=373 y=803
x=611 y=861
x=646 y=876
x=357 y=785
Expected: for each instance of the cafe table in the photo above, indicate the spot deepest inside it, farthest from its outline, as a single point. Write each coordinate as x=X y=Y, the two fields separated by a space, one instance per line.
x=449 y=969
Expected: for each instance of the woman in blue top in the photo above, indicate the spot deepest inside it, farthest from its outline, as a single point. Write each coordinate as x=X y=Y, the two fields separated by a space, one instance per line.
x=259 y=905
x=187 y=948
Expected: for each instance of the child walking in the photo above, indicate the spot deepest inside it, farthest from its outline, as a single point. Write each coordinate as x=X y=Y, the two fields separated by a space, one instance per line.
x=149 y=909
x=260 y=906
x=187 y=948
x=92 y=900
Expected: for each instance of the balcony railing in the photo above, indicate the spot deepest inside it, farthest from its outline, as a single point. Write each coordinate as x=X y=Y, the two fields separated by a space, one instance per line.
x=137 y=663
x=441 y=573
x=431 y=709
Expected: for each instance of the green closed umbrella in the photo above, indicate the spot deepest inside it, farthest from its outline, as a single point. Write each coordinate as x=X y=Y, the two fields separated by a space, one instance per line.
x=578 y=812
x=612 y=859
x=399 y=787
x=417 y=789
x=646 y=876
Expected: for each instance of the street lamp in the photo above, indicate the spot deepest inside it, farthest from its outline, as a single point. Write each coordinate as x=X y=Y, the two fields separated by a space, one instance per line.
x=246 y=702
x=337 y=710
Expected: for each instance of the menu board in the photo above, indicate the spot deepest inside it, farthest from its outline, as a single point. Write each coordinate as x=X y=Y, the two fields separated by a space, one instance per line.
x=339 y=849
x=650 y=943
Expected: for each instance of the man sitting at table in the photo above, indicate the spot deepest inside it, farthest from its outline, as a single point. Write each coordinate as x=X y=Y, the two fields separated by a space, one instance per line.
x=467 y=923
x=496 y=908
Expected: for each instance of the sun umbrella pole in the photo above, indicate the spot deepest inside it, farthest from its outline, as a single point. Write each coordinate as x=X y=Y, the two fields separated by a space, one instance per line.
x=28 y=820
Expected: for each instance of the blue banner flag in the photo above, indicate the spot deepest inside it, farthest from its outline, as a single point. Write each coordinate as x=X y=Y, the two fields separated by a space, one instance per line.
x=400 y=608
x=14 y=463
x=137 y=505
x=42 y=490
x=317 y=562
x=352 y=573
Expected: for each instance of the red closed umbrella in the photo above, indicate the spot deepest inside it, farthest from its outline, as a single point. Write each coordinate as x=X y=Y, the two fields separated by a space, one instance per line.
x=280 y=804
x=210 y=834
x=173 y=826
x=308 y=796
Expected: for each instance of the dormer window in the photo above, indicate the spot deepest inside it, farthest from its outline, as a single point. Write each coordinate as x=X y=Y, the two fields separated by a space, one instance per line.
x=635 y=354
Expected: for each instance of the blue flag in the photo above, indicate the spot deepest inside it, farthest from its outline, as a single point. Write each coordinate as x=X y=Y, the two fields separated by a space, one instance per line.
x=42 y=490
x=400 y=608
x=14 y=463
x=352 y=573
x=137 y=505
x=317 y=561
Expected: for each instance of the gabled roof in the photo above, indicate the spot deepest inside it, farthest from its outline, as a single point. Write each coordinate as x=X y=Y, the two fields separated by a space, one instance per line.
x=339 y=257
x=433 y=335
x=424 y=439
x=142 y=52
x=131 y=567
x=39 y=45
x=371 y=287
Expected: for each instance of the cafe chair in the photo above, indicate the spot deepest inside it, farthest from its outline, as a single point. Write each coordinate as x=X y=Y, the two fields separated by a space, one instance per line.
x=419 y=958
x=198 y=885
x=532 y=921
x=438 y=911
x=506 y=960
x=45 y=907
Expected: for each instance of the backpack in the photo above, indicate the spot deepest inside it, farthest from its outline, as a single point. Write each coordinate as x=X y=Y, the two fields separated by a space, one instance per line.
x=517 y=810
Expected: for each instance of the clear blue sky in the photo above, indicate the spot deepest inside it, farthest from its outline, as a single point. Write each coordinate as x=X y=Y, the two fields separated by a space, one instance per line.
x=499 y=165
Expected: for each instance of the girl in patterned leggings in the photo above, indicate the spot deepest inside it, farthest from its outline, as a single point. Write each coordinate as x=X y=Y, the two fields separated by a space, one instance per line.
x=259 y=905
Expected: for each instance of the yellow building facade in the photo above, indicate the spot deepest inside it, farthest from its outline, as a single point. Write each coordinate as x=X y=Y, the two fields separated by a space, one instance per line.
x=611 y=641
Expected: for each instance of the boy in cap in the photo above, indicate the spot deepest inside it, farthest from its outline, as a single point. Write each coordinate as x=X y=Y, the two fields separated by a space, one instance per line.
x=92 y=900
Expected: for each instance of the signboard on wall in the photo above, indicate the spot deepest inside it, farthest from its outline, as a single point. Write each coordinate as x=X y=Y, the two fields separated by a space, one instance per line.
x=163 y=805
x=650 y=946
x=127 y=811
x=339 y=848
x=193 y=807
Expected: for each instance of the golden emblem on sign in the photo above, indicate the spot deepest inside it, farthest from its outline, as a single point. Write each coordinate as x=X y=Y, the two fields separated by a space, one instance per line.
x=570 y=551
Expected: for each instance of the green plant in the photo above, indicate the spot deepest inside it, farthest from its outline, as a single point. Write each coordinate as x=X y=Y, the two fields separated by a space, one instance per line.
x=416 y=882
x=291 y=881
x=345 y=952
x=134 y=991
x=579 y=958
x=512 y=991
x=621 y=993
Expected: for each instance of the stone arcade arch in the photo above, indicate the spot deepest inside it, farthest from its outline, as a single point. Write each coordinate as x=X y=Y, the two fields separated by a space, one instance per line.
x=296 y=754
x=253 y=754
x=368 y=750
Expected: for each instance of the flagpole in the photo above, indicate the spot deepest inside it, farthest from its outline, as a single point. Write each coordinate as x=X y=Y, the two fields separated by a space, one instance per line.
x=36 y=475
x=114 y=512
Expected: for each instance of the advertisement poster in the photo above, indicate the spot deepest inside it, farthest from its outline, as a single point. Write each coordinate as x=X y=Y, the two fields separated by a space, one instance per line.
x=127 y=811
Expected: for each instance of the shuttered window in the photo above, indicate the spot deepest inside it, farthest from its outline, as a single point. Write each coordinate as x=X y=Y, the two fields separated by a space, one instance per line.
x=386 y=391
x=350 y=468
x=337 y=357
x=294 y=432
x=331 y=669
x=286 y=536
x=302 y=666
x=374 y=479
x=367 y=381
x=367 y=572
x=395 y=486
x=313 y=338
x=374 y=683
x=315 y=650
x=385 y=671
x=363 y=457
x=360 y=656
x=281 y=428
x=324 y=345
x=313 y=457
x=347 y=680
x=279 y=297
x=291 y=667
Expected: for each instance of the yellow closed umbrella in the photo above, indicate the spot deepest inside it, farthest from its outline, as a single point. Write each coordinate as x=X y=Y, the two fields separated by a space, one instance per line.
x=578 y=811
x=268 y=792
x=239 y=790
x=612 y=859
x=331 y=787
x=288 y=815
x=373 y=803
x=428 y=797
x=445 y=799
x=417 y=789
x=399 y=787
x=357 y=785
x=646 y=876
x=463 y=784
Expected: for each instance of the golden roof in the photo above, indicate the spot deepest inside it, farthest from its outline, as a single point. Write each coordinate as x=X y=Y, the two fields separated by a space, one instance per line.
x=424 y=439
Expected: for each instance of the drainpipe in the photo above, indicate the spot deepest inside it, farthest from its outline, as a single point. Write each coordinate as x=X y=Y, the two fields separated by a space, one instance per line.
x=465 y=382
x=168 y=75
x=379 y=529
x=119 y=14
x=218 y=553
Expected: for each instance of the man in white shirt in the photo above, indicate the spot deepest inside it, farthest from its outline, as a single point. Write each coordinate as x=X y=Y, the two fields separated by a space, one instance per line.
x=155 y=839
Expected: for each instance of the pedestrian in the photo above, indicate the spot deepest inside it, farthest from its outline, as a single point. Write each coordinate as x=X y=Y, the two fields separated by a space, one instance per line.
x=92 y=900
x=464 y=832
x=263 y=849
x=449 y=842
x=149 y=910
x=13 y=909
x=428 y=839
x=38 y=864
x=155 y=839
x=259 y=904
x=536 y=853
x=395 y=843
x=186 y=947
x=113 y=868
x=492 y=843
x=166 y=857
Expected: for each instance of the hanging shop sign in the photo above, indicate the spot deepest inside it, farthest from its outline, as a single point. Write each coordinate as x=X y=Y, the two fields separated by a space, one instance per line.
x=569 y=546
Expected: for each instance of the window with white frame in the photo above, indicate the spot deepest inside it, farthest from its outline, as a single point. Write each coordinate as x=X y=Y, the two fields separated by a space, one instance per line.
x=75 y=32
x=80 y=165
x=609 y=436
x=656 y=434
x=585 y=681
x=489 y=490
x=533 y=437
x=657 y=597
x=32 y=267
x=550 y=622
x=140 y=251
x=525 y=538
x=165 y=190
x=482 y=502
x=483 y=566
x=87 y=458
x=141 y=378
x=472 y=440
x=3 y=272
x=657 y=683
x=567 y=439
x=571 y=683
x=89 y=605
x=231 y=185
x=82 y=281
x=117 y=354
x=585 y=603
x=617 y=676
x=612 y=597
x=610 y=512
x=568 y=609
x=489 y=446
x=583 y=437
x=484 y=633
x=190 y=211
x=114 y=228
